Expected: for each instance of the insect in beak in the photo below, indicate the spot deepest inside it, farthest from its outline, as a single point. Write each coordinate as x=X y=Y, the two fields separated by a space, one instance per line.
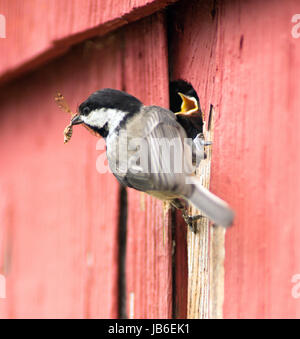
x=189 y=105
x=76 y=120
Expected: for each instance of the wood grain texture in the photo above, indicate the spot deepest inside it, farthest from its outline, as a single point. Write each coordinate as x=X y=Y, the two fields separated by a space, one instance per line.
x=39 y=30
x=259 y=72
x=59 y=216
x=192 y=51
x=198 y=252
x=149 y=251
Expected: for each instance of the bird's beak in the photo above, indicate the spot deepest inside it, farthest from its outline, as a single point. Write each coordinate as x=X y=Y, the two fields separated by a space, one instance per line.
x=189 y=105
x=76 y=120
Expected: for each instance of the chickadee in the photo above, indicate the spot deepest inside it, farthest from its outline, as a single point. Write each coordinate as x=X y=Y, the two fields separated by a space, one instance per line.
x=114 y=114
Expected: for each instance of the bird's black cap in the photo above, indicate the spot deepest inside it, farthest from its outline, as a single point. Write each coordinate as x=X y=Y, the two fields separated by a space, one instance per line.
x=110 y=98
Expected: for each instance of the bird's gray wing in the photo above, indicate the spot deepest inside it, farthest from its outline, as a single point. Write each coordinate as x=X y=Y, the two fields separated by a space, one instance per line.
x=168 y=159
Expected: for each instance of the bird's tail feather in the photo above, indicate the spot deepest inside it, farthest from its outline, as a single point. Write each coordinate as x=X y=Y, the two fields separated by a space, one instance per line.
x=213 y=207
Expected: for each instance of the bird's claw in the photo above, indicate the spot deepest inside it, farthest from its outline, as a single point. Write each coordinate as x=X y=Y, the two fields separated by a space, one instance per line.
x=191 y=221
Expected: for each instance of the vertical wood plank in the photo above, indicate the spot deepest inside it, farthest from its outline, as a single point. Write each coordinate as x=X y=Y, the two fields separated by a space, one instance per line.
x=149 y=251
x=60 y=216
x=258 y=121
x=198 y=253
x=192 y=57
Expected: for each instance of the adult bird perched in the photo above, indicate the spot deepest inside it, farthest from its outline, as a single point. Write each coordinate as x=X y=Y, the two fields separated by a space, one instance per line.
x=141 y=133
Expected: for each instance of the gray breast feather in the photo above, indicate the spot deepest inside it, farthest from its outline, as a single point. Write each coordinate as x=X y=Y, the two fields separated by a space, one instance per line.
x=168 y=161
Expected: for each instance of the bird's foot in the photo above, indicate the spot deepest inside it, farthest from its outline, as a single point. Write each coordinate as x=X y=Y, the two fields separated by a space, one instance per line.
x=191 y=220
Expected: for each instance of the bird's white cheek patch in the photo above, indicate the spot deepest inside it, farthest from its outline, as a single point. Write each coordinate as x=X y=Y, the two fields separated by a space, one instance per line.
x=96 y=118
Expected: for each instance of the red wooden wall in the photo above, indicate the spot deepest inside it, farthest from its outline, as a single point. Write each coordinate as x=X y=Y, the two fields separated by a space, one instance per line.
x=242 y=58
x=59 y=247
x=260 y=96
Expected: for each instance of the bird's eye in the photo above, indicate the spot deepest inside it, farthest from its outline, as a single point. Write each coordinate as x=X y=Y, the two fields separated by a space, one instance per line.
x=86 y=111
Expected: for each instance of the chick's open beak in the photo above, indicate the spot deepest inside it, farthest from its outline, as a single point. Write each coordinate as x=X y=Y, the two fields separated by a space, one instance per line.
x=76 y=120
x=189 y=105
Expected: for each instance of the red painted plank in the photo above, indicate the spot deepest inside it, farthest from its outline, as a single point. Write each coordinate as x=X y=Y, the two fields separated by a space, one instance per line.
x=149 y=248
x=39 y=30
x=259 y=77
x=59 y=215
x=245 y=62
